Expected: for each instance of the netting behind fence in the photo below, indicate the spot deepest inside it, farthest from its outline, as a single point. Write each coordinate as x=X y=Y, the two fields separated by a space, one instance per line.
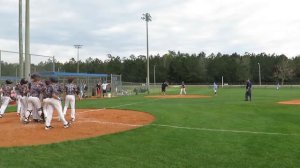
x=116 y=85
x=10 y=63
x=132 y=88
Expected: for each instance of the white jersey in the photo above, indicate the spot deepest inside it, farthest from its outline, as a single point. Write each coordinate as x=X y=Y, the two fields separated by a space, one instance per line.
x=215 y=86
x=104 y=86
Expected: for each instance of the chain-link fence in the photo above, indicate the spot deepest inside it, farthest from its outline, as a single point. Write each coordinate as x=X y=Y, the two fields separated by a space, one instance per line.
x=10 y=66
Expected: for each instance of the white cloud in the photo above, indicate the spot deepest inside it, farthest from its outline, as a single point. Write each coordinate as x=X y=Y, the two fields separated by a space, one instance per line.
x=190 y=26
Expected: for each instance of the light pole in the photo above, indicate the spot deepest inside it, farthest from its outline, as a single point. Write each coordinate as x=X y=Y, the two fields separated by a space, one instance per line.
x=21 y=62
x=147 y=17
x=259 y=76
x=27 y=41
x=53 y=65
x=78 y=46
x=154 y=76
x=16 y=74
x=0 y=65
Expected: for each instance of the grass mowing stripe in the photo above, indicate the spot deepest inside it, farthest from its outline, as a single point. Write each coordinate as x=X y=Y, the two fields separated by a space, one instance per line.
x=112 y=123
x=141 y=102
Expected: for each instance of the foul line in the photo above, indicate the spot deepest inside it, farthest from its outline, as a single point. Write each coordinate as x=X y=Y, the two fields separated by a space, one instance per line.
x=221 y=130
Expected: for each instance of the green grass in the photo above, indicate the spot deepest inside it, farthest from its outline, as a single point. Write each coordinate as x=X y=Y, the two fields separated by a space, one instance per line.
x=156 y=146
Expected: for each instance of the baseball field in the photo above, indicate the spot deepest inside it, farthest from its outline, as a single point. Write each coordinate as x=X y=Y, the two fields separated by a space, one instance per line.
x=221 y=131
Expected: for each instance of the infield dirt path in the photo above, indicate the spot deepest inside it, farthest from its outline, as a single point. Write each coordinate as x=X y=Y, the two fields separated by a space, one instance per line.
x=291 y=102
x=178 y=96
x=89 y=123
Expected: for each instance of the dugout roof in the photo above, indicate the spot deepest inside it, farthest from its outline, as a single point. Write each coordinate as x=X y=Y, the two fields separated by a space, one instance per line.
x=66 y=74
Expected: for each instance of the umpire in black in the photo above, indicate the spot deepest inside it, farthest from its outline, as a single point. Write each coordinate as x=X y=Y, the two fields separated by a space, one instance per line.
x=248 y=93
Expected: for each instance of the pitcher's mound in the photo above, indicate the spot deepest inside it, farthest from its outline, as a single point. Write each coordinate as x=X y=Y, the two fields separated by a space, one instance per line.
x=89 y=123
x=178 y=96
x=294 y=102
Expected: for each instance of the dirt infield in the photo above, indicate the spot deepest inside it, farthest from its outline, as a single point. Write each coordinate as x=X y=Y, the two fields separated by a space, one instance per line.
x=89 y=123
x=178 y=96
x=291 y=102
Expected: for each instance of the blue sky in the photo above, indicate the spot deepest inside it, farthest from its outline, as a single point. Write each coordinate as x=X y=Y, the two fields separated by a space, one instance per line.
x=115 y=27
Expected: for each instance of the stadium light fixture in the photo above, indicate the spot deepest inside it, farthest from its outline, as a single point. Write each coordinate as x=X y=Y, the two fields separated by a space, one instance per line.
x=78 y=46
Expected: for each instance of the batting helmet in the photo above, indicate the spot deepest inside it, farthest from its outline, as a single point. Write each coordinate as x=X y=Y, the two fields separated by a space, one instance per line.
x=23 y=81
x=35 y=76
x=8 y=82
x=53 y=79
x=70 y=80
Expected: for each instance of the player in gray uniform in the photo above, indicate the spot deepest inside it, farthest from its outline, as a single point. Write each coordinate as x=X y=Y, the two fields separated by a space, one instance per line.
x=52 y=101
x=19 y=105
x=23 y=91
x=182 y=88
x=34 y=102
x=70 y=91
x=6 y=91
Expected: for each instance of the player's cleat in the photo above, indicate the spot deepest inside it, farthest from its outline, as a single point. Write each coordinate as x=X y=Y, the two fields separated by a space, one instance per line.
x=48 y=127
x=41 y=121
x=43 y=117
x=72 y=119
x=1 y=115
x=67 y=125
x=26 y=121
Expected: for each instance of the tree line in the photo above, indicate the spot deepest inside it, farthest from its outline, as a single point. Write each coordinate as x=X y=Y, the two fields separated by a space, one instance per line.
x=191 y=68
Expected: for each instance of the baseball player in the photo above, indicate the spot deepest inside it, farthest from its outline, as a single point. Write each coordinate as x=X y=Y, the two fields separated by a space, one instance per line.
x=34 y=102
x=182 y=88
x=52 y=101
x=70 y=91
x=23 y=91
x=81 y=88
x=163 y=88
x=104 y=89
x=6 y=90
x=18 y=99
x=215 y=88
x=98 y=88
x=248 y=94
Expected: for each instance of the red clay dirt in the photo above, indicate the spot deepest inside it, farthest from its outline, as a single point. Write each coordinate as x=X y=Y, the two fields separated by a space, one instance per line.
x=89 y=123
x=291 y=102
x=178 y=96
